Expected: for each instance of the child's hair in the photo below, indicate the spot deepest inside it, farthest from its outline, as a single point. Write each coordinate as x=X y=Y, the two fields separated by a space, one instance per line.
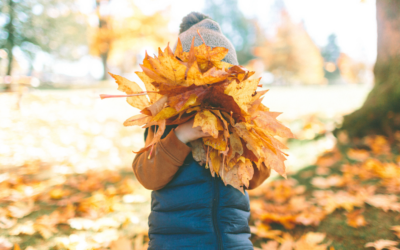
x=191 y=19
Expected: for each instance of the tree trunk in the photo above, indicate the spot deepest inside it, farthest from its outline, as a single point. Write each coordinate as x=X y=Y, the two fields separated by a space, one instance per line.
x=105 y=51
x=380 y=114
x=104 y=57
x=10 y=43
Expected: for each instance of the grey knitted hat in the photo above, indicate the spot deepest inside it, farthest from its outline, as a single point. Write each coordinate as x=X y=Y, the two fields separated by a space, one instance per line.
x=209 y=30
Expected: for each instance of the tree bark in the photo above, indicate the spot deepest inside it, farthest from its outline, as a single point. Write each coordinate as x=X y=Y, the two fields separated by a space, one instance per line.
x=103 y=54
x=10 y=39
x=380 y=113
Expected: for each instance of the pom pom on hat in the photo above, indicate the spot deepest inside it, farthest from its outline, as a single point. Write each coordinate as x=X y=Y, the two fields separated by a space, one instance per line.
x=209 y=30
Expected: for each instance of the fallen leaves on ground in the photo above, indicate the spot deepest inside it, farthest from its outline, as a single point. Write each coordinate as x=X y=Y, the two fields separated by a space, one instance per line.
x=91 y=210
x=352 y=180
x=383 y=244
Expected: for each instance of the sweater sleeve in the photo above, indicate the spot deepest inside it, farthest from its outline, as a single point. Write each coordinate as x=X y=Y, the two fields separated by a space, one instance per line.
x=167 y=157
x=260 y=175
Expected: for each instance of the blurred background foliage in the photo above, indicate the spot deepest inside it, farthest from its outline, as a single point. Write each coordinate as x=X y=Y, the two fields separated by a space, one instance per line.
x=49 y=39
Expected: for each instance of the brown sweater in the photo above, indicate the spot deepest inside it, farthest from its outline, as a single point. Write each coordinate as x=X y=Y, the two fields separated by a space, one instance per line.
x=167 y=157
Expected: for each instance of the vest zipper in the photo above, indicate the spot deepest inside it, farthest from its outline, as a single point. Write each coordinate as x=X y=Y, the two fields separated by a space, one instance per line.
x=215 y=211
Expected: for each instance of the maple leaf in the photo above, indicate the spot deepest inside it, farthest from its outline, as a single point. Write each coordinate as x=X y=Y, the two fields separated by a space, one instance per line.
x=24 y=228
x=167 y=66
x=20 y=209
x=213 y=75
x=267 y=120
x=217 y=143
x=381 y=244
x=165 y=113
x=148 y=83
x=236 y=146
x=139 y=119
x=198 y=151
x=311 y=241
x=215 y=161
x=206 y=53
x=207 y=121
x=242 y=92
x=130 y=87
x=245 y=172
x=356 y=219
x=231 y=178
x=385 y=202
x=157 y=106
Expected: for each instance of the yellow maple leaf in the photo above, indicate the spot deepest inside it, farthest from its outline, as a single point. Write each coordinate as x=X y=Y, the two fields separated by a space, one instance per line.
x=215 y=160
x=242 y=92
x=207 y=121
x=213 y=75
x=148 y=83
x=217 y=143
x=130 y=87
x=167 y=66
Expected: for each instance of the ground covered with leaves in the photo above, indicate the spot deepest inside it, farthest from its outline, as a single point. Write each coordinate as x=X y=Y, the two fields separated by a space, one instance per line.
x=66 y=182
x=348 y=200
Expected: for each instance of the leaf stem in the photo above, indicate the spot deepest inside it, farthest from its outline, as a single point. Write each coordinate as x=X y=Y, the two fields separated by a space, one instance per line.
x=104 y=96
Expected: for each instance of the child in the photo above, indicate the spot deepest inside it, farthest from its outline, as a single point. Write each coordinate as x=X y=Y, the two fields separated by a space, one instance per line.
x=190 y=209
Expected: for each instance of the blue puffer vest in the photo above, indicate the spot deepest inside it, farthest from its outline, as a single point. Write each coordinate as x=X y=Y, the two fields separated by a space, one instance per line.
x=197 y=211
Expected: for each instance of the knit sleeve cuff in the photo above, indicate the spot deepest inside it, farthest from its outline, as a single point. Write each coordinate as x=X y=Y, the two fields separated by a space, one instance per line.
x=173 y=147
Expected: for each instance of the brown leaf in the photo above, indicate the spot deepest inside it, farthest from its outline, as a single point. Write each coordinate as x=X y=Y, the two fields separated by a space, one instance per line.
x=198 y=151
x=156 y=107
x=231 y=178
x=245 y=172
x=236 y=146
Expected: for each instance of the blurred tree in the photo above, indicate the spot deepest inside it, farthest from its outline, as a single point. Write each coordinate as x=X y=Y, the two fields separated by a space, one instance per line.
x=52 y=26
x=380 y=113
x=235 y=26
x=291 y=55
x=331 y=53
x=350 y=70
x=116 y=32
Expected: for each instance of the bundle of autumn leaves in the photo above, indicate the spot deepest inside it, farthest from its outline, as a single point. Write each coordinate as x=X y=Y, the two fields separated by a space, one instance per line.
x=222 y=100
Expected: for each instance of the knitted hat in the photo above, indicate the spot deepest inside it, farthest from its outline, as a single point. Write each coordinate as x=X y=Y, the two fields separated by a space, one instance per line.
x=209 y=30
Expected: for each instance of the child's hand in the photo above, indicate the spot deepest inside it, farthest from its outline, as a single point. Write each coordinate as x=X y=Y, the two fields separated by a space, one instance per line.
x=186 y=133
